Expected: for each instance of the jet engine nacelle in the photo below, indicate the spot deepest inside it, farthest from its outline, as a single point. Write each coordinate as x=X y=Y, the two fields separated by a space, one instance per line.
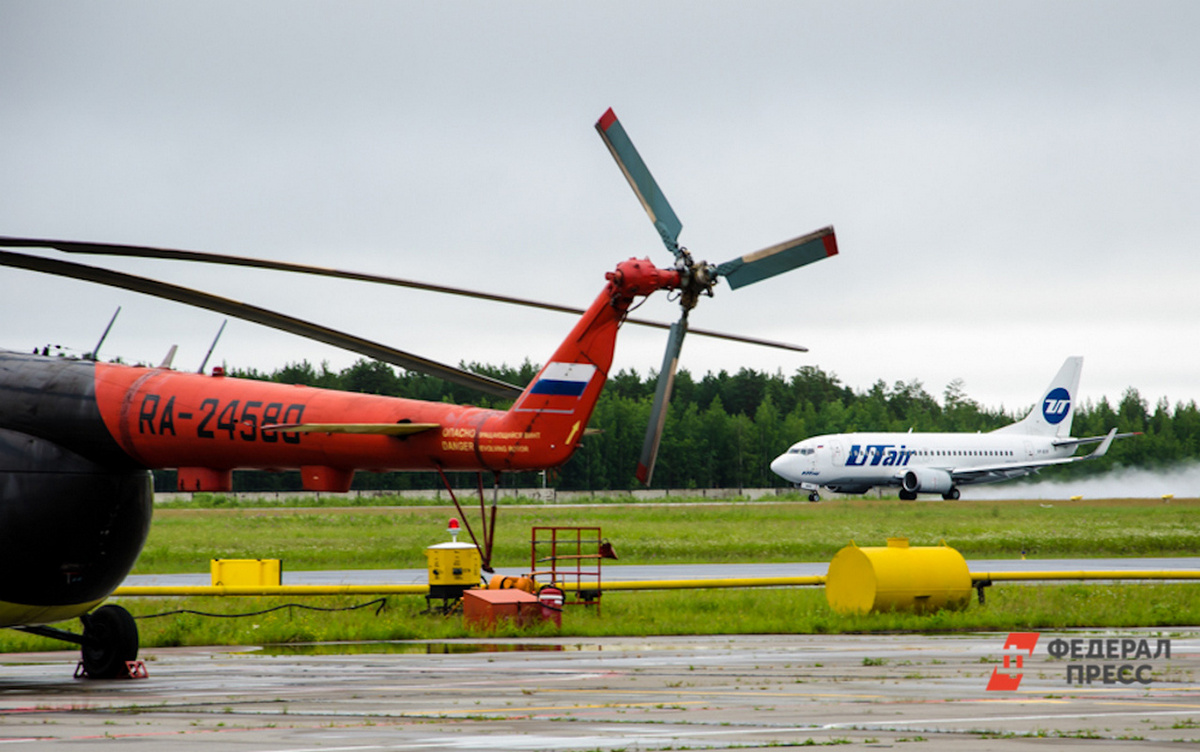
x=926 y=480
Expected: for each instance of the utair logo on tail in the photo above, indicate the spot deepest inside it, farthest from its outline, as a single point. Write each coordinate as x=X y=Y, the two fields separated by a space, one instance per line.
x=1056 y=406
x=941 y=462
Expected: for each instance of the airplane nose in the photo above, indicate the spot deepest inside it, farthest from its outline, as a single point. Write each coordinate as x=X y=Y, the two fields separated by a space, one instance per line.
x=779 y=466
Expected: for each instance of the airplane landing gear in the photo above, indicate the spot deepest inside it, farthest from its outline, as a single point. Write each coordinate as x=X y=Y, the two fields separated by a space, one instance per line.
x=908 y=495
x=814 y=496
x=952 y=494
x=110 y=641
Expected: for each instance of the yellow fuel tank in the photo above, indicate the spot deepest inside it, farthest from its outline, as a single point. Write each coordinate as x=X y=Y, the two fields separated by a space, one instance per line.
x=897 y=577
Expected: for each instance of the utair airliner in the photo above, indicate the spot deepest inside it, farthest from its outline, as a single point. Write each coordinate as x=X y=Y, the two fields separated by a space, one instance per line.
x=854 y=463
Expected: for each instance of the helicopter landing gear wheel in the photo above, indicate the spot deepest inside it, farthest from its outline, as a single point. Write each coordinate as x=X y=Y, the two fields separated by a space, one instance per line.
x=110 y=640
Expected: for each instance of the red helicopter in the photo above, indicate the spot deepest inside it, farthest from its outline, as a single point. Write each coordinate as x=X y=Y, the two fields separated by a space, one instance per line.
x=79 y=438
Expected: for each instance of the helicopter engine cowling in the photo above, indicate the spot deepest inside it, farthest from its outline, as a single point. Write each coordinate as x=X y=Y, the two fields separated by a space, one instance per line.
x=926 y=480
x=70 y=528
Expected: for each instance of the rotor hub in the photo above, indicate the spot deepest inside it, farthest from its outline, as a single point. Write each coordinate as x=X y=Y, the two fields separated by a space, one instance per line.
x=696 y=279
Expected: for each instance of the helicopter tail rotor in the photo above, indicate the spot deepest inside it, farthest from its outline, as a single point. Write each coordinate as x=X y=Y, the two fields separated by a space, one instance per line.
x=791 y=254
x=696 y=278
x=653 y=200
x=662 y=398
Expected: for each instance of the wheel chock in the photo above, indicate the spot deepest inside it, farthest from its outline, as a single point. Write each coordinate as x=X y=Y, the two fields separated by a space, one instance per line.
x=133 y=670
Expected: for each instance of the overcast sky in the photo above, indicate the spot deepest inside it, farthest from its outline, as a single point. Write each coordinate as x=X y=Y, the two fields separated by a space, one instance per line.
x=1011 y=183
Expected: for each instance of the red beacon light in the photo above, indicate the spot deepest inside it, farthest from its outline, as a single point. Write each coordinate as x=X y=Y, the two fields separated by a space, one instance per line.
x=453 y=530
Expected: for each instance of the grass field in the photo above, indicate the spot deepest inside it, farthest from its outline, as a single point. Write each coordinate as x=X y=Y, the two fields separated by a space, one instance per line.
x=184 y=540
x=732 y=612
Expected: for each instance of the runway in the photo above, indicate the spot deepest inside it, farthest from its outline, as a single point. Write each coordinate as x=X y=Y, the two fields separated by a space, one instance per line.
x=746 y=692
x=658 y=693
x=638 y=572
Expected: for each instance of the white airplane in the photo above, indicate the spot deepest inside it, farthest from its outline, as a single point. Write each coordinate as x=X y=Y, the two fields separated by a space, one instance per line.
x=941 y=462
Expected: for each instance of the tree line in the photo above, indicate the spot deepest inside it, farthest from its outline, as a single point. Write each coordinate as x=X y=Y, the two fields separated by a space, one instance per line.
x=724 y=429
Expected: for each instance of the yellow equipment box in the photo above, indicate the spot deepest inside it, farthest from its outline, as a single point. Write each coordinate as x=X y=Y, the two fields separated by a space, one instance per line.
x=246 y=572
x=457 y=564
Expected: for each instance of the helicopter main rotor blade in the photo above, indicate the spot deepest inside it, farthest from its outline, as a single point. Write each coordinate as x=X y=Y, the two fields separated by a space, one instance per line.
x=260 y=316
x=141 y=251
x=662 y=400
x=731 y=337
x=639 y=177
x=137 y=251
x=791 y=254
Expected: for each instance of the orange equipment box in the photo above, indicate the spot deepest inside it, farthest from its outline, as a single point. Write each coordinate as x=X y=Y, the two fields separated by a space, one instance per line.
x=484 y=608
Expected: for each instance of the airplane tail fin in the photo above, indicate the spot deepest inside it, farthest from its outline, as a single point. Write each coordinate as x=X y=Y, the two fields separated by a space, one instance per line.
x=1052 y=415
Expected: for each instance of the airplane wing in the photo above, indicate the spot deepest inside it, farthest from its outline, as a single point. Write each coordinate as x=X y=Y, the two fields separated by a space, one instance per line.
x=981 y=473
x=386 y=429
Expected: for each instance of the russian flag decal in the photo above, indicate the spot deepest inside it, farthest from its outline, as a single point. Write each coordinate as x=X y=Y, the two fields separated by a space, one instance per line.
x=564 y=379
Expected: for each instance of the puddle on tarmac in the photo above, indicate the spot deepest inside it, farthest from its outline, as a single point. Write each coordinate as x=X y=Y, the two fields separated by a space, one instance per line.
x=420 y=647
x=415 y=648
